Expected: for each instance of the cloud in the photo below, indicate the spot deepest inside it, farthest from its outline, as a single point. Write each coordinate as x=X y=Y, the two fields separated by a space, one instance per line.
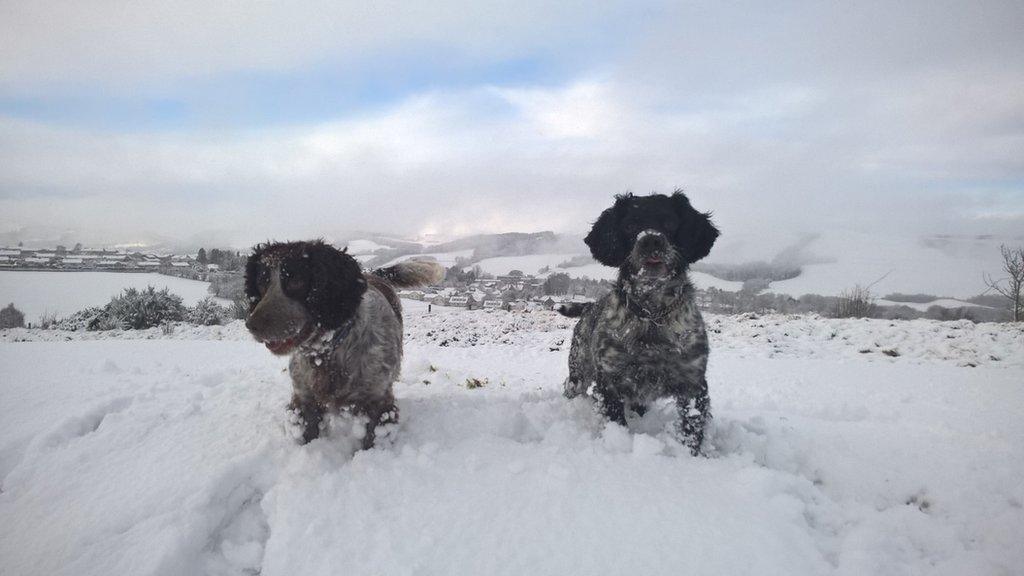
x=784 y=120
x=152 y=43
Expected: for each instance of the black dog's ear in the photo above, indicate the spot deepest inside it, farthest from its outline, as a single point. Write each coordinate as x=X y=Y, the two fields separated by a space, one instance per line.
x=696 y=234
x=336 y=284
x=605 y=240
x=252 y=276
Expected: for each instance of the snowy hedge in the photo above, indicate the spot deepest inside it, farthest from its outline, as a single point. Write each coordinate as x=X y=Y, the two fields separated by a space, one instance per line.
x=207 y=312
x=139 y=309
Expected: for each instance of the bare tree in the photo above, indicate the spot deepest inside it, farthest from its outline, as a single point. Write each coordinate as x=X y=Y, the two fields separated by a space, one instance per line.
x=855 y=303
x=1011 y=286
x=858 y=302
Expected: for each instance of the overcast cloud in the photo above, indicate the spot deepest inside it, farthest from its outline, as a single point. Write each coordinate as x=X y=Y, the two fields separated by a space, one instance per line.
x=262 y=120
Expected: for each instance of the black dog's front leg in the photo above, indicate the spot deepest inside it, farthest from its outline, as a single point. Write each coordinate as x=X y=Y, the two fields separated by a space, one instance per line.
x=694 y=411
x=310 y=415
x=611 y=405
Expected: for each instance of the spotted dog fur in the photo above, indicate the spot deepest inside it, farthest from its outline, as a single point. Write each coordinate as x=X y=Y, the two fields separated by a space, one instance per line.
x=342 y=328
x=645 y=340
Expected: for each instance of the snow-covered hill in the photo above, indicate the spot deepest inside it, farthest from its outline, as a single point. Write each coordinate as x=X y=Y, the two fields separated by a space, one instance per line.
x=838 y=260
x=832 y=262
x=838 y=447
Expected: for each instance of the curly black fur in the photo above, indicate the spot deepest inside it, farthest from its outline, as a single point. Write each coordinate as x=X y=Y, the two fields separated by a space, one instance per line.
x=613 y=234
x=646 y=339
x=335 y=280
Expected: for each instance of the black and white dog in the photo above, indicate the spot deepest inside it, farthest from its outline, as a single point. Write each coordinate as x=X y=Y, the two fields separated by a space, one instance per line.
x=342 y=328
x=645 y=340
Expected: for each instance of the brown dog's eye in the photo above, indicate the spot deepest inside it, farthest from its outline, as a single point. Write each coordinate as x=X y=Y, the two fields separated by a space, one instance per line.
x=263 y=279
x=294 y=285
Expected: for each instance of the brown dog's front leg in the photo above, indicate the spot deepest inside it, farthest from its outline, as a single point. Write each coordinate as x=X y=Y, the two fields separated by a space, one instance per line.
x=377 y=414
x=310 y=415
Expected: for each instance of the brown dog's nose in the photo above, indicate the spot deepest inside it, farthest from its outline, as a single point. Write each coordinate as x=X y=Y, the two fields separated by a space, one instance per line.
x=256 y=321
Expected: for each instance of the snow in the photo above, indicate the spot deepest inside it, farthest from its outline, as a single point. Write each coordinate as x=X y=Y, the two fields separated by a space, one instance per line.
x=364 y=247
x=530 y=264
x=151 y=453
x=446 y=259
x=704 y=281
x=948 y=266
x=64 y=293
x=595 y=271
x=924 y=306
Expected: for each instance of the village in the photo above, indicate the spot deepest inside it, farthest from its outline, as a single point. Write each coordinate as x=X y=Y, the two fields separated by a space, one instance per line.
x=514 y=292
x=63 y=259
x=465 y=286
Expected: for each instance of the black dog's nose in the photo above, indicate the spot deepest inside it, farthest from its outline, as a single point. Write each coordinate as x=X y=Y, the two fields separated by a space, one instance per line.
x=649 y=242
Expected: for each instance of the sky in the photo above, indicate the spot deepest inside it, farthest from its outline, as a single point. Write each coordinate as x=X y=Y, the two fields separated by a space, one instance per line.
x=233 y=122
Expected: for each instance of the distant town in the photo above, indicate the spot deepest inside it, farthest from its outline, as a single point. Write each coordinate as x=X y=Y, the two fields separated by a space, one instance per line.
x=467 y=286
x=470 y=289
x=515 y=291
x=194 y=266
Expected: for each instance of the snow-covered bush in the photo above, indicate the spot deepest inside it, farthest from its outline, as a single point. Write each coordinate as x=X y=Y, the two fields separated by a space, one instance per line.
x=11 y=317
x=207 y=312
x=240 y=308
x=94 y=318
x=48 y=320
x=139 y=309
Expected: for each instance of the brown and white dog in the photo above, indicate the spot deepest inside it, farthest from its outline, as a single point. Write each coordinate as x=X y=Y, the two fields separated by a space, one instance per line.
x=342 y=328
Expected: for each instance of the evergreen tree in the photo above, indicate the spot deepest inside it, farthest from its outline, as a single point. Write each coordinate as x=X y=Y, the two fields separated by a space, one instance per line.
x=11 y=317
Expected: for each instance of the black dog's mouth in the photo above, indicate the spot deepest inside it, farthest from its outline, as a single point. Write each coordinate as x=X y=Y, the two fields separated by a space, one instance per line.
x=654 y=266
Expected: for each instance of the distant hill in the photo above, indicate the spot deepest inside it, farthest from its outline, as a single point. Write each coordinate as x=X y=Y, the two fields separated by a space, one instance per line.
x=379 y=250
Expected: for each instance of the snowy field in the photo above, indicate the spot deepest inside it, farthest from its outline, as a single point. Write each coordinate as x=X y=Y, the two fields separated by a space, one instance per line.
x=64 y=293
x=534 y=263
x=946 y=266
x=850 y=447
x=446 y=259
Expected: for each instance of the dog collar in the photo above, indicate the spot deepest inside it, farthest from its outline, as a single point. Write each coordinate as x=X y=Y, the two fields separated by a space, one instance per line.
x=322 y=351
x=342 y=332
x=641 y=312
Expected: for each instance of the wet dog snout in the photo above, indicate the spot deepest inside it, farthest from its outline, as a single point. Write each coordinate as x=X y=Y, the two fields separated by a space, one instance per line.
x=651 y=242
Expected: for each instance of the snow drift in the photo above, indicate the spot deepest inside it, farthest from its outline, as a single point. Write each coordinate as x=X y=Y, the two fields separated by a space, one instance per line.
x=146 y=453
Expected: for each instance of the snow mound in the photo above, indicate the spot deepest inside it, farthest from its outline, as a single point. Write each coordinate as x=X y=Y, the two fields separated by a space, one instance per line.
x=176 y=456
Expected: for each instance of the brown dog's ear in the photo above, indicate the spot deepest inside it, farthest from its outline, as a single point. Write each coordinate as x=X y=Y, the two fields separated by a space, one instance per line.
x=696 y=234
x=336 y=284
x=605 y=239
